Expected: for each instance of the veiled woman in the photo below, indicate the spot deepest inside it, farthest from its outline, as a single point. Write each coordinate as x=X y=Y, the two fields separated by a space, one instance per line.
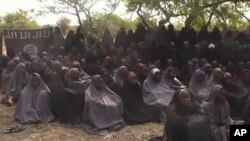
x=199 y=88
x=130 y=37
x=74 y=97
x=235 y=94
x=139 y=34
x=33 y=104
x=107 y=39
x=58 y=38
x=217 y=111
x=57 y=83
x=203 y=34
x=68 y=97
x=84 y=77
x=155 y=91
x=120 y=39
x=69 y=41
x=171 y=36
x=215 y=36
x=208 y=69
x=245 y=83
x=103 y=108
x=120 y=75
x=135 y=110
x=170 y=75
x=216 y=77
x=17 y=82
x=6 y=75
x=141 y=72
x=184 y=117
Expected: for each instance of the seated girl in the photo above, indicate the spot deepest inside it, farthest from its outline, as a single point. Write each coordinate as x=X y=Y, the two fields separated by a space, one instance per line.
x=217 y=111
x=155 y=90
x=135 y=110
x=199 y=87
x=185 y=117
x=17 y=82
x=33 y=104
x=103 y=108
x=235 y=95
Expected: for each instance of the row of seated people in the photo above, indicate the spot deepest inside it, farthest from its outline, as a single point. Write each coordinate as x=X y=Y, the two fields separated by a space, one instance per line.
x=103 y=103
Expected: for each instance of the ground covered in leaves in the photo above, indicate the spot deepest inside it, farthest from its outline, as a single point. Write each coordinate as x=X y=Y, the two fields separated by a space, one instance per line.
x=54 y=132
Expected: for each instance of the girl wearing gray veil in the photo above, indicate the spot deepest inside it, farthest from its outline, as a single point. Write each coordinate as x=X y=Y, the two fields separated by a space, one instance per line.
x=155 y=90
x=216 y=110
x=120 y=75
x=17 y=82
x=103 y=108
x=199 y=87
x=33 y=105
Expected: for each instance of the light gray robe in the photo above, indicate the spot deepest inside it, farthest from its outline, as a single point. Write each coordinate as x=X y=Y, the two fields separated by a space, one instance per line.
x=102 y=111
x=33 y=104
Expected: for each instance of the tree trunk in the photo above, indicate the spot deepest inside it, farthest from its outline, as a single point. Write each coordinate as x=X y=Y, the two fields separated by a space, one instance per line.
x=189 y=20
x=210 y=18
x=79 y=19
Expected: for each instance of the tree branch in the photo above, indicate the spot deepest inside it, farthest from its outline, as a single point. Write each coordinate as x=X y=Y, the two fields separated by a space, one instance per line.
x=241 y=13
x=221 y=2
x=211 y=16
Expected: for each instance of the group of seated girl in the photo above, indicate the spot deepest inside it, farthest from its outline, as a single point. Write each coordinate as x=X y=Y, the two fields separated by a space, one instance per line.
x=101 y=104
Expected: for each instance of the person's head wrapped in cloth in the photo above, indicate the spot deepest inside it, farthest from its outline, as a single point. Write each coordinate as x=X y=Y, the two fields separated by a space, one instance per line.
x=33 y=105
x=103 y=108
x=155 y=90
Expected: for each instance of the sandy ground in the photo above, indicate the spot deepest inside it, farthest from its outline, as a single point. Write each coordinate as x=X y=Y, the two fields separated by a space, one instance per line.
x=54 y=132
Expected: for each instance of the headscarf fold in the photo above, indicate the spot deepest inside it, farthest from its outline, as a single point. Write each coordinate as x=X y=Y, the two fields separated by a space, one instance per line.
x=199 y=91
x=158 y=94
x=17 y=81
x=33 y=105
x=103 y=110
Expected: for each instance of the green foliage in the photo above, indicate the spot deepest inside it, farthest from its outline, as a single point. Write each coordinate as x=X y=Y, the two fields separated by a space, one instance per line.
x=18 y=20
x=113 y=23
x=223 y=13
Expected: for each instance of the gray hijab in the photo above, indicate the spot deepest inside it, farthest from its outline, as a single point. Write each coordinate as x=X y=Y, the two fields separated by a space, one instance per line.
x=218 y=114
x=33 y=105
x=157 y=94
x=117 y=76
x=103 y=110
x=17 y=81
x=199 y=91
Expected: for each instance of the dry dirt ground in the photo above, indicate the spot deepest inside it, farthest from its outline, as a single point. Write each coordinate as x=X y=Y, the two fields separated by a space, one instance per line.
x=54 y=132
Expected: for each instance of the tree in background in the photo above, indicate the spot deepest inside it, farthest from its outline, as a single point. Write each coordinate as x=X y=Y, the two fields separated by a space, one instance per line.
x=77 y=8
x=228 y=13
x=114 y=23
x=81 y=8
x=64 y=24
x=18 y=20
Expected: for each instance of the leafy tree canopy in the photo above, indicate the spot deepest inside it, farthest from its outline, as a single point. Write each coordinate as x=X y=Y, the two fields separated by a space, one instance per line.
x=18 y=20
x=224 y=14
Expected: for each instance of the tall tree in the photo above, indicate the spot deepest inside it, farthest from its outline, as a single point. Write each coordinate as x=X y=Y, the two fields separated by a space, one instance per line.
x=192 y=12
x=81 y=8
x=77 y=8
x=18 y=20
x=111 y=6
x=114 y=23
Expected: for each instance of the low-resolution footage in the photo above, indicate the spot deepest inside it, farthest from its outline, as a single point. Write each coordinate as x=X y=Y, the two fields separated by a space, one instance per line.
x=125 y=70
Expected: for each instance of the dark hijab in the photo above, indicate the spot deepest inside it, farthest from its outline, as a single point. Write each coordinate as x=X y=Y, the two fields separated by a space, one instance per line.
x=135 y=110
x=69 y=41
x=107 y=39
